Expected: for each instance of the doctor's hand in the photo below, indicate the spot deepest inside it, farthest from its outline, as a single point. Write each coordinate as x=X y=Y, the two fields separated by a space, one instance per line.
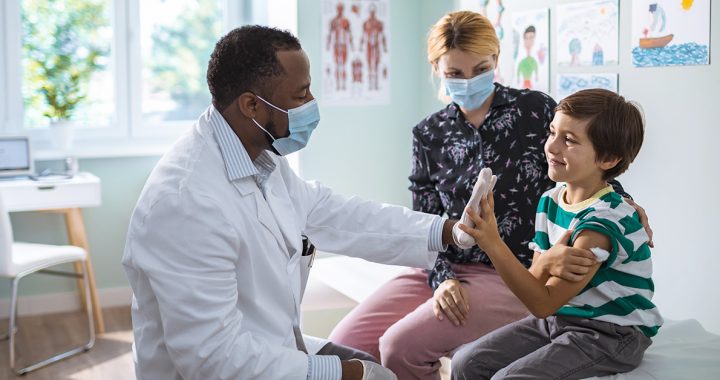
x=371 y=371
x=484 y=184
x=566 y=262
x=451 y=300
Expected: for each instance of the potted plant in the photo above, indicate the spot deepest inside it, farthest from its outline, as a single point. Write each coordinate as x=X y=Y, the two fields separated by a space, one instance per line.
x=62 y=50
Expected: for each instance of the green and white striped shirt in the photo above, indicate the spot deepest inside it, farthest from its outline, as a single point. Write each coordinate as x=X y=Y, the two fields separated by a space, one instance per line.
x=621 y=290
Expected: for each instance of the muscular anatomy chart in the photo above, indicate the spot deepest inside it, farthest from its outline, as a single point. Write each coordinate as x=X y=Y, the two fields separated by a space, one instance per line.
x=356 y=54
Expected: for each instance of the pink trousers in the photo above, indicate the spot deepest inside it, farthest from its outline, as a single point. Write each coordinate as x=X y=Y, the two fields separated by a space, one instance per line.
x=396 y=324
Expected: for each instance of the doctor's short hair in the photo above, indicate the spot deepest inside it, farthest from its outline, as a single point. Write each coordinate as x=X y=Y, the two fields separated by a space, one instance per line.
x=244 y=60
x=615 y=126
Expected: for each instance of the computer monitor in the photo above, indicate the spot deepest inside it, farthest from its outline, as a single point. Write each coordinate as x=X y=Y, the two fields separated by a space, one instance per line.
x=15 y=156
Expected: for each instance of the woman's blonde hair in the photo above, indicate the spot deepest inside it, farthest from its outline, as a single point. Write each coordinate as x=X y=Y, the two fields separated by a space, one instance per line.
x=464 y=30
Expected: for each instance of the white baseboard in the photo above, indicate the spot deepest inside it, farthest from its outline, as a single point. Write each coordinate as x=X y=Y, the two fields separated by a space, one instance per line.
x=64 y=302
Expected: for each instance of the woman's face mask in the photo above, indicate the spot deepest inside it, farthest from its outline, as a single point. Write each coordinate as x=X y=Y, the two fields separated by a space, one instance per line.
x=301 y=123
x=456 y=65
x=471 y=93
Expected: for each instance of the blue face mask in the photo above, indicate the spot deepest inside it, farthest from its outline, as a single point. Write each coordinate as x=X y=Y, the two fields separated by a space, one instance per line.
x=301 y=123
x=470 y=93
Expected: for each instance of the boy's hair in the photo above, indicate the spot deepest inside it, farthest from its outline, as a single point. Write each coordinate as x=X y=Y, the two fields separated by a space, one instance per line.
x=615 y=126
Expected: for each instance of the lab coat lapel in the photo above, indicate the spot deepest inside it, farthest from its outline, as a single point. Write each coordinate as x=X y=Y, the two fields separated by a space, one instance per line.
x=281 y=206
x=248 y=187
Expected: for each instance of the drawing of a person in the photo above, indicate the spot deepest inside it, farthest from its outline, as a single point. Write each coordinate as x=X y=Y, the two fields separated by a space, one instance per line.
x=529 y=65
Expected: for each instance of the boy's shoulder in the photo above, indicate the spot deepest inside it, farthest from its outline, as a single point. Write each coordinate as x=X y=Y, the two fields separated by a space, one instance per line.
x=612 y=205
x=616 y=216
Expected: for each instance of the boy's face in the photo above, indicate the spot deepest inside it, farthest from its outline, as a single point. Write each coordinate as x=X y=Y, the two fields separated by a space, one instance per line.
x=570 y=153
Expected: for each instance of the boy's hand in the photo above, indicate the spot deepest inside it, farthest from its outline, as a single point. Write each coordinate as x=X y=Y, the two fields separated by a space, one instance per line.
x=485 y=182
x=568 y=263
x=485 y=232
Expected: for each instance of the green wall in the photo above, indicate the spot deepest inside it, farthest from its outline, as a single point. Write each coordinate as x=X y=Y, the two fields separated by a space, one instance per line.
x=361 y=151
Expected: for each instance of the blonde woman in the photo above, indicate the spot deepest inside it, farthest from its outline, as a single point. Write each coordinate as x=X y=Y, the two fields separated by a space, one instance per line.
x=422 y=315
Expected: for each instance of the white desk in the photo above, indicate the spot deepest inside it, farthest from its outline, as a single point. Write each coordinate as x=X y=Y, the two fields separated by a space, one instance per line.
x=65 y=196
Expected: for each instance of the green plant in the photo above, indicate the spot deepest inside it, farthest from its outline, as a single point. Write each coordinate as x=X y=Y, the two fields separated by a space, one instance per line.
x=62 y=49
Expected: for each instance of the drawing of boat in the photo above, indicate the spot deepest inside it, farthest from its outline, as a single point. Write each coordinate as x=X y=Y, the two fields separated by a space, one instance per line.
x=655 y=42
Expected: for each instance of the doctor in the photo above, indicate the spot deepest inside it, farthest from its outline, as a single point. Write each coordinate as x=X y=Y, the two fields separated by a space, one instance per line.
x=215 y=251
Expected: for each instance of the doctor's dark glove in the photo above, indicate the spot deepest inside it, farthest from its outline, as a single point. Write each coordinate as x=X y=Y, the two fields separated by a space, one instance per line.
x=374 y=371
x=485 y=182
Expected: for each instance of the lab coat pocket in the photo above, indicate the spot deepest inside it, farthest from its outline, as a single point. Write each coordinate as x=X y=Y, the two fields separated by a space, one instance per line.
x=305 y=265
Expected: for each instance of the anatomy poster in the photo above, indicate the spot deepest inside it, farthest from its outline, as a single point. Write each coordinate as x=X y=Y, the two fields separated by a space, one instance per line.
x=670 y=32
x=571 y=83
x=531 y=40
x=356 y=52
x=587 y=33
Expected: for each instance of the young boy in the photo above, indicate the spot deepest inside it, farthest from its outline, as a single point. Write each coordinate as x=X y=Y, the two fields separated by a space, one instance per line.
x=603 y=324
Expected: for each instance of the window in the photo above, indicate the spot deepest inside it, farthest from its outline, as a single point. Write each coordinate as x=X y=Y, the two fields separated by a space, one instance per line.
x=128 y=74
x=66 y=62
x=176 y=39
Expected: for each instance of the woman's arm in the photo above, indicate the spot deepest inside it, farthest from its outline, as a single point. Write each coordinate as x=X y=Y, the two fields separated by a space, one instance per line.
x=617 y=187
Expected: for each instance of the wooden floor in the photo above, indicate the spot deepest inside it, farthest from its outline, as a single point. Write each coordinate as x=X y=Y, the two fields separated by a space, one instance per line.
x=39 y=337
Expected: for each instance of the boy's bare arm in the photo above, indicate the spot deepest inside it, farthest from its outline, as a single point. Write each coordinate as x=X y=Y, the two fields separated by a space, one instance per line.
x=540 y=297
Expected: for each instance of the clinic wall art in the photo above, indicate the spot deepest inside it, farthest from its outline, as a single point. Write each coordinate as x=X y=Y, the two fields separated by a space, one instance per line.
x=568 y=84
x=355 y=52
x=494 y=10
x=670 y=32
x=531 y=46
x=587 y=33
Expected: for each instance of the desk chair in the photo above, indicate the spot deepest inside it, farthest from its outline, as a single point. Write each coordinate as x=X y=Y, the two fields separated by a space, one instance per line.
x=18 y=260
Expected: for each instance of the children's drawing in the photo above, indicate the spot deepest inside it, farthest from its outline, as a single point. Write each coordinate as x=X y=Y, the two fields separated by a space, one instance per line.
x=532 y=69
x=587 y=33
x=670 y=32
x=494 y=11
x=570 y=83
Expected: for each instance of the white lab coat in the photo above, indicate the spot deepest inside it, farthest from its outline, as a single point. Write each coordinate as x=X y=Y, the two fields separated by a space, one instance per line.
x=215 y=266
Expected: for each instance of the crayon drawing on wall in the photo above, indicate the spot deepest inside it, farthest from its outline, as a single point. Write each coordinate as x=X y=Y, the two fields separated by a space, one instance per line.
x=355 y=52
x=571 y=83
x=670 y=32
x=587 y=33
x=494 y=11
x=531 y=40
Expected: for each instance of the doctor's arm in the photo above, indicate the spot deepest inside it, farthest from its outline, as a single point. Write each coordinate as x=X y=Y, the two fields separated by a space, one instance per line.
x=188 y=250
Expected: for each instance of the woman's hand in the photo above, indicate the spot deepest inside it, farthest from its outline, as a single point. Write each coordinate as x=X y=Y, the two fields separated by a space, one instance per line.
x=568 y=263
x=451 y=300
x=643 y=220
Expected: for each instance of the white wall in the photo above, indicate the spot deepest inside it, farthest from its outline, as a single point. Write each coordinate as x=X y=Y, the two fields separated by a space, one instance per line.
x=676 y=175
